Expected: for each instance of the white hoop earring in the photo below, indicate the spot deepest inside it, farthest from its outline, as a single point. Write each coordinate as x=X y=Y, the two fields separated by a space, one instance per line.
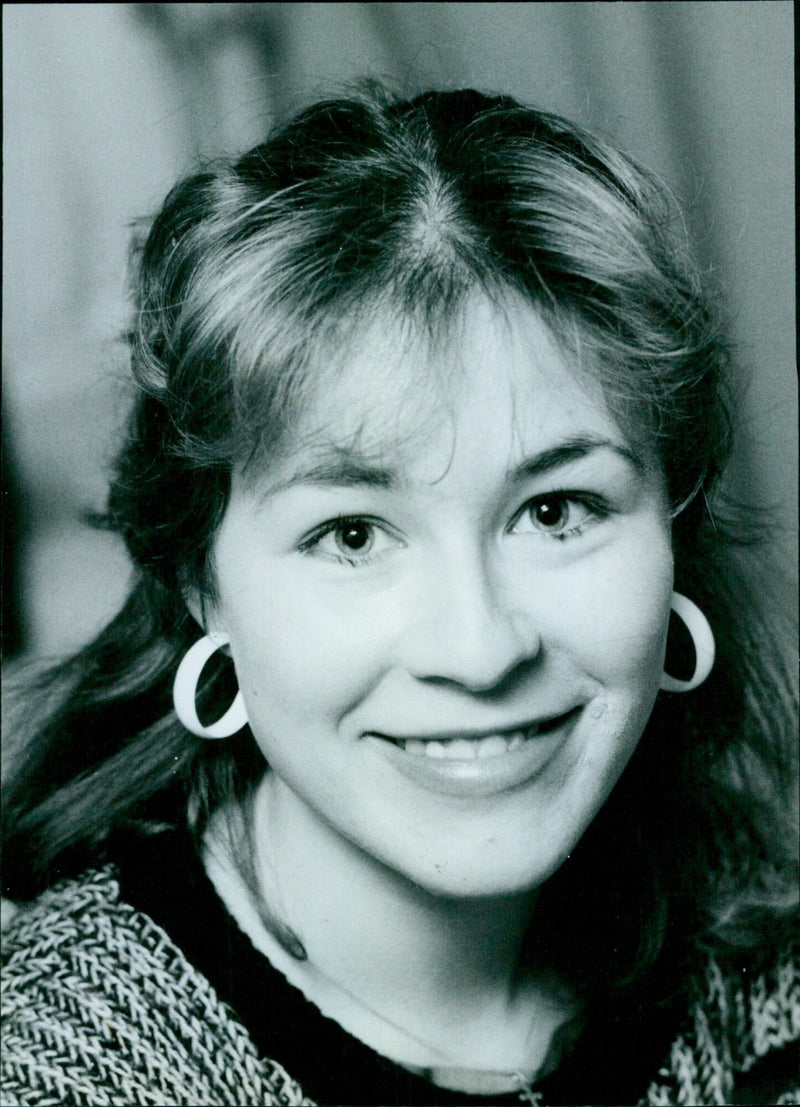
x=704 y=645
x=184 y=691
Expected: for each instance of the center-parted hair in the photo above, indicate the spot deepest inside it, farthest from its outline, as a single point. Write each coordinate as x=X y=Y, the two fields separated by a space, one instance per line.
x=256 y=268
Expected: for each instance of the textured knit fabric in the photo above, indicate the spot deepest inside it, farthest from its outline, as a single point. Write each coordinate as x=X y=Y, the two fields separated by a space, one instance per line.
x=101 y=1007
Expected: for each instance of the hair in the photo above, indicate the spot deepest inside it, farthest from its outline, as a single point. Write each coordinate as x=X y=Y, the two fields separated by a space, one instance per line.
x=373 y=202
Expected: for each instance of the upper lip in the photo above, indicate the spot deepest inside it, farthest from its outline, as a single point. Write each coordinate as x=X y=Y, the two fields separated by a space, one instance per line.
x=475 y=734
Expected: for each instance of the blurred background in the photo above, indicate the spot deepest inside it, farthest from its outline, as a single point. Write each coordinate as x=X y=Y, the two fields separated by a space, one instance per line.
x=106 y=104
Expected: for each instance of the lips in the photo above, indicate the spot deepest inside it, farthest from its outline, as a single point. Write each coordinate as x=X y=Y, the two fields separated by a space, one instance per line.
x=471 y=766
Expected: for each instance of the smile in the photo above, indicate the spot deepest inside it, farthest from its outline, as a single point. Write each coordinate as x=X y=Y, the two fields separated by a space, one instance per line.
x=455 y=748
x=478 y=764
x=469 y=747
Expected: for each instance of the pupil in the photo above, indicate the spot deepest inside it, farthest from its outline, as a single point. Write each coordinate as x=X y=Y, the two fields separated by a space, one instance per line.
x=549 y=513
x=355 y=536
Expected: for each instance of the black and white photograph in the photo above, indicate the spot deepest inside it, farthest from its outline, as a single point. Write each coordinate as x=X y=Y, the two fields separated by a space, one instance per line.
x=399 y=555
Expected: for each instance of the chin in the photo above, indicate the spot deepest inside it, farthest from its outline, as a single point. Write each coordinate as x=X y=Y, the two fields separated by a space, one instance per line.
x=454 y=881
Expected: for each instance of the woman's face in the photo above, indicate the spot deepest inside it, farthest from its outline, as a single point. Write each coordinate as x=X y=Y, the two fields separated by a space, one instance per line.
x=447 y=607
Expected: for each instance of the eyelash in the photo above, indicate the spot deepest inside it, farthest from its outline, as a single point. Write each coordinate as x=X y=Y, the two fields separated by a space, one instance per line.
x=310 y=544
x=597 y=508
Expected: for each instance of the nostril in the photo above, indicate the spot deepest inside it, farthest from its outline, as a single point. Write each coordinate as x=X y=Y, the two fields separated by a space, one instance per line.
x=494 y=684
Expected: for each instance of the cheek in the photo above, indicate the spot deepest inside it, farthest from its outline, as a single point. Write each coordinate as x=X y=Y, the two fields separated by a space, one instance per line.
x=617 y=609
x=299 y=656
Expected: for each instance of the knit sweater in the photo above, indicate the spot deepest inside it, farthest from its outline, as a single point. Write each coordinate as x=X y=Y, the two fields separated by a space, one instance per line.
x=102 y=1007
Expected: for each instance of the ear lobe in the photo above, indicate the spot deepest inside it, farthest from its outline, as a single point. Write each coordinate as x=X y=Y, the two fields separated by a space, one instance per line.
x=204 y=615
x=196 y=608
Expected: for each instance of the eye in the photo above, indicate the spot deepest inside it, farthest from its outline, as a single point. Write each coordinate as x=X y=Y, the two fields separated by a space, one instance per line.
x=352 y=541
x=559 y=515
x=354 y=537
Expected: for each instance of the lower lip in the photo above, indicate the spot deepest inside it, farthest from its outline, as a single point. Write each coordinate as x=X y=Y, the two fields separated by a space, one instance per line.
x=478 y=777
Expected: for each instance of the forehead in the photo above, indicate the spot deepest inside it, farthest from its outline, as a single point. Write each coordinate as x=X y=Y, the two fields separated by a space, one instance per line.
x=496 y=385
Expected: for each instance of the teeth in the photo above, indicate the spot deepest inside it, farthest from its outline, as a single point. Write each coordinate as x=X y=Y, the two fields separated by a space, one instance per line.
x=493 y=747
x=459 y=747
x=468 y=749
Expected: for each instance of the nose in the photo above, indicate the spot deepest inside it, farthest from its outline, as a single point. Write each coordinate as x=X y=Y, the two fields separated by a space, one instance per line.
x=476 y=631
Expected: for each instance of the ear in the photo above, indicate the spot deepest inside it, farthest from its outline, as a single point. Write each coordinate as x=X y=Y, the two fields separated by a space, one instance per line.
x=203 y=612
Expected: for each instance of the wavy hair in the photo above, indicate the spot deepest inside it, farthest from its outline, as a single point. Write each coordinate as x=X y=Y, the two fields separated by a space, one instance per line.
x=251 y=265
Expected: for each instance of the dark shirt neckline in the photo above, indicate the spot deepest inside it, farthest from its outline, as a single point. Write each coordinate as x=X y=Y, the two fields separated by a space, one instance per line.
x=163 y=876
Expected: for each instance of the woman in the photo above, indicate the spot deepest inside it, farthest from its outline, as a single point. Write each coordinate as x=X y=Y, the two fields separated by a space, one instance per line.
x=392 y=781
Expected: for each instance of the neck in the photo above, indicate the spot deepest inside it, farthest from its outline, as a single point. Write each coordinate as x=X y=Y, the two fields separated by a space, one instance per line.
x=348 y=909
x=442 y=971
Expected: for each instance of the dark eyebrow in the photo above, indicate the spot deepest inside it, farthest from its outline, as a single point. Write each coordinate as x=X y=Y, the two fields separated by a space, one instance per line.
x=572 y=450
x=337 y=467
x=345 y=467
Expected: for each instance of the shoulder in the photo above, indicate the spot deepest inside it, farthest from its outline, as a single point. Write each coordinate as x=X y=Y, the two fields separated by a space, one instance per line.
x=741 y=1041
x=100 y=1007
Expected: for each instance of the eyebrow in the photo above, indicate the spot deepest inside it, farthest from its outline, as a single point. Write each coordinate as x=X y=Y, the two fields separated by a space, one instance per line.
x=338 y=466
x=346 y=467
x=573 y=449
